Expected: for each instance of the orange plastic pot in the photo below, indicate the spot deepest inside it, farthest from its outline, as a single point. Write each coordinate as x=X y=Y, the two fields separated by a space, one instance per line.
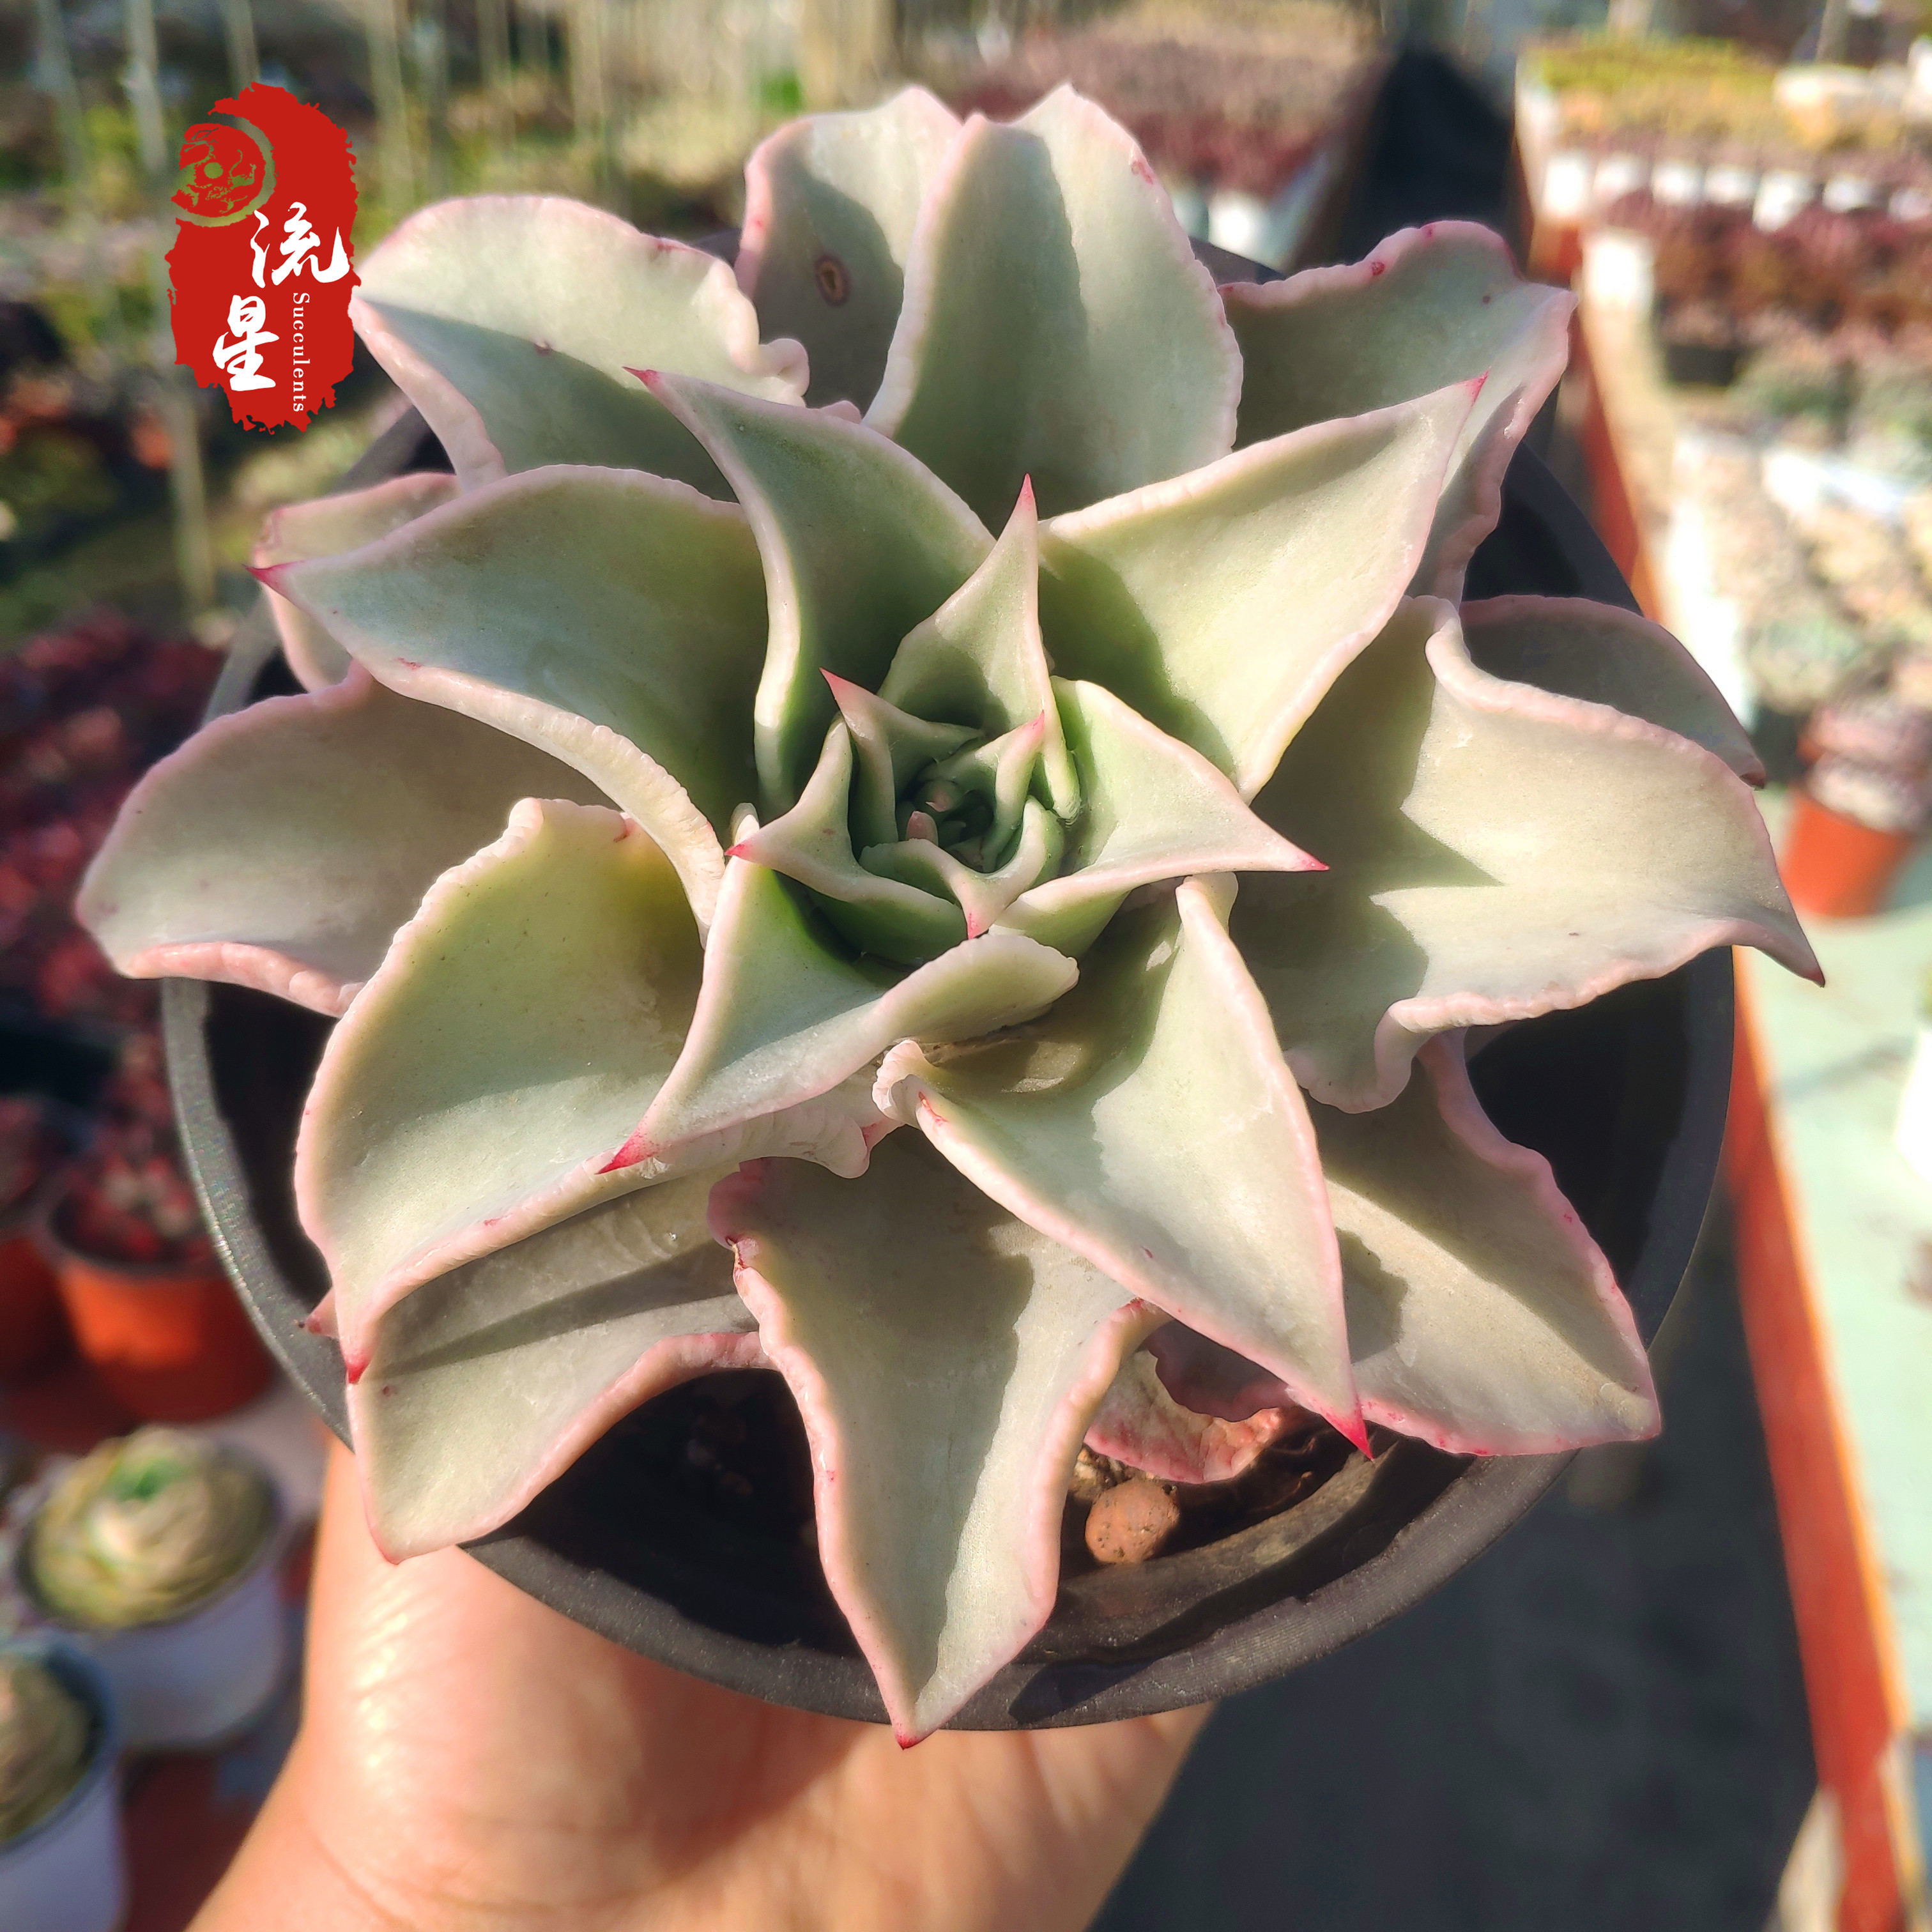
x=171 y=1344
x=32 y=1328
x=1837 y=868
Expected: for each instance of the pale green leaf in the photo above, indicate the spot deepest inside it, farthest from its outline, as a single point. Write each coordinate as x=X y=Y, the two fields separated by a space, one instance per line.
x=1149 y=1123
x=1482 y=1318
x=1222 y=605
x=614 y=619
x=326 y=527
x=512 y=321
x=1495 y=851
x=480 y=1087
x=860 y=544
x=945 y=1358
x=282 y=846
x=1151 y=809
x=830 y=202
x=1055 y=323
x=785 y=1014
x=1430 y=306
x=486 y=1384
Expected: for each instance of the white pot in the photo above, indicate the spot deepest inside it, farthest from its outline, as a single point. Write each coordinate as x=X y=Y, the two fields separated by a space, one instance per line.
x=1677 y=184
x=1618 y=175
x=1780 y=195
x=201 y=1678
x=1567 y=178
x=69 y=1872
x=1620 y=270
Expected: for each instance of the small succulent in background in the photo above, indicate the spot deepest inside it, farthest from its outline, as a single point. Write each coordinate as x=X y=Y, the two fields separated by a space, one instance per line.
x=144 y=1528
x=45 y=1733
x=128 y=1199
x=791 y=795
x=31 y=1148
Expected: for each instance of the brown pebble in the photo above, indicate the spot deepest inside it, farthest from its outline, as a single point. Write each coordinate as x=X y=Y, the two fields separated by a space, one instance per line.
x=1131 y=1521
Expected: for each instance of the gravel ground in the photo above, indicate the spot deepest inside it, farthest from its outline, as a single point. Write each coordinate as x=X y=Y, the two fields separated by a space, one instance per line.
x=1599 y=1726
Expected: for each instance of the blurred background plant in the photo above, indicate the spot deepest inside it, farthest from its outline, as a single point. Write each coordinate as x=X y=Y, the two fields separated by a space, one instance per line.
x=118 y=481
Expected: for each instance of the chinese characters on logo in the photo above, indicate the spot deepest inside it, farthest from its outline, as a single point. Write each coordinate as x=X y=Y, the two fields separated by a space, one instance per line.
x=255 y=202
x=248 y=315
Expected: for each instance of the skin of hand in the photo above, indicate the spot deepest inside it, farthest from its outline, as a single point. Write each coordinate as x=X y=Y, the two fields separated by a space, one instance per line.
x=468 y=1759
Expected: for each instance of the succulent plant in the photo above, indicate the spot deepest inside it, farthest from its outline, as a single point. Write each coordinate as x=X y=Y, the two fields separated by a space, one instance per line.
x=127 y=1199
x=144 y=1528
x=31 y=1147
x=45 y=1732
x=847 y=871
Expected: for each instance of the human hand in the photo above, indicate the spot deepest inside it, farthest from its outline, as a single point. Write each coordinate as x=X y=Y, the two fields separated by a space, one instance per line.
x=469 y=1758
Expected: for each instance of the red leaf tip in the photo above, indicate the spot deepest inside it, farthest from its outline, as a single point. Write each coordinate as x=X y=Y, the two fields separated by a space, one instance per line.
x=637 y=1148
x=650 y=378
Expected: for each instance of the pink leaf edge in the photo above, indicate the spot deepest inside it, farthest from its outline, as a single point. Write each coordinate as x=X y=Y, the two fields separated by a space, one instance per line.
x=1409 y=1019
x=662 y=1366
x=1112 y=1342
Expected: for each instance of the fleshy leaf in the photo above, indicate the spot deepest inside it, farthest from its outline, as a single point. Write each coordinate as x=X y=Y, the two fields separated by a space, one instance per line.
x=784 y=1016
x=978 y=660
x=1149 y=1123
x=891 y=748
x=1151 y=808
x=830 y=201
x=946 y=1359
x=510 y=321
x=860 y=544
x=1140 y=1424
x=486 y=1384
x=1055 y=323
x=1496 y=851
x=283 y=845
x=1573 y=648
x=981 y=896
x=614 y=619
x=1430 y=306
x=1210 y=1380
x=891 y=918
x=1482 y=1318
x=512 y=1039
x=326 y=527
x=1221 y=606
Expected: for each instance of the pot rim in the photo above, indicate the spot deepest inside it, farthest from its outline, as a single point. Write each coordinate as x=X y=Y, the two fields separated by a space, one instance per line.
x=266 y=1555
x=1258 y=1640
x=80 y=1673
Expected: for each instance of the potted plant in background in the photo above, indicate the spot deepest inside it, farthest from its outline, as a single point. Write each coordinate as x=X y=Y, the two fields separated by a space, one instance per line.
x=156 y=1554
x=61 y=1866
x=803 y=932
x=150 y=1306
x=34 y=1143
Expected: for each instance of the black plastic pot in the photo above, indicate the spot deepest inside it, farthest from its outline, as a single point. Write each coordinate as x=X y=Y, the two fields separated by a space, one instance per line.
x=1626 y=1097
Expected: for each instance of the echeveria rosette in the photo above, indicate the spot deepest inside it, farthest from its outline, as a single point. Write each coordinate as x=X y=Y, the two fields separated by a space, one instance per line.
x=143 y=1529
x=45 y=1733
x=942 y=874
